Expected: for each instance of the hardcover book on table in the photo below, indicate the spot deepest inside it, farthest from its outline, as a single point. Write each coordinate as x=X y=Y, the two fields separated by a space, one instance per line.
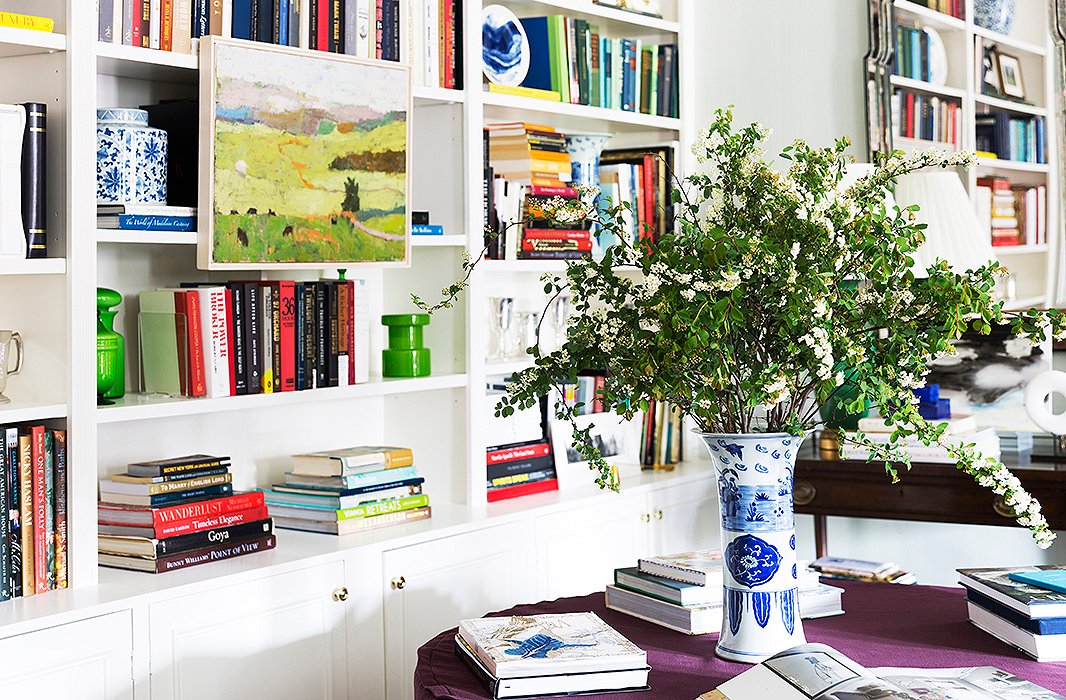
x=702 y=568
x=1032 y=601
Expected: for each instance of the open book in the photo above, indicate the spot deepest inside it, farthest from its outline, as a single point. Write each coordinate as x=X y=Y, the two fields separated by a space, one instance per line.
x=819 y=672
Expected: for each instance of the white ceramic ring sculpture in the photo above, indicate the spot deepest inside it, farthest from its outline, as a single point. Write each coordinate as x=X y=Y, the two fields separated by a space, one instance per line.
x=1037 y=405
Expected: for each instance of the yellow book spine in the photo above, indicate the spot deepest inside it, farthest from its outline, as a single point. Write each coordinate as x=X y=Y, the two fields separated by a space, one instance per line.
x=37 y=24
x=519 y=91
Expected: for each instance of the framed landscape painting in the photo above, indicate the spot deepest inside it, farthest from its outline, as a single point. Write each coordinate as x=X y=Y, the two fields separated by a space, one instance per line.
x=304 y=159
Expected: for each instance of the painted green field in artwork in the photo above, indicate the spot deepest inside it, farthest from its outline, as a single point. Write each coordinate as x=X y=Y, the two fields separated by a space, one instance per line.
x=288 y=197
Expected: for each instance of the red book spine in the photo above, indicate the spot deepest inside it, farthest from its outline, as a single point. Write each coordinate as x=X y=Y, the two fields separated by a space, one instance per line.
x=195 y=347
x=379 y=26
x=515 y=454
x=40 y=506
x=166 y=25
x=229 y=342
x=557 y=234
x=287 y=336
x=542 y=244
x=210 y=522
x=597 y=394
x=638 y=182
x=139 y=9
x=649 y=198
x=522 y=489
x=548 y=191
x=323 y=29
x=181 y=330
x=449 y=43
x=201 y=509
x=351 y=332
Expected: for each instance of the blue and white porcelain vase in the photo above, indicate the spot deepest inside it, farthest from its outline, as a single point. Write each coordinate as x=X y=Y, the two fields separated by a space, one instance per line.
x=758 y=544
x=131 y=158
x=585 y=150
x=996 y=15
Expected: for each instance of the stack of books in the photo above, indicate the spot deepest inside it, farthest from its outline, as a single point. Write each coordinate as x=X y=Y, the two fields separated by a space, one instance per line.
x=1022 y=606
x=643 y=178
x=860 y=570
x=519 y=470
x=339 y=492
x=145 y=217
x=961 y=429
x=661 y=443
x=540 y=655
x=254 y=337
x=916 y=115
x=529 y=154
x=170 y=514
x=1012 y=214
x=33 y=500
x=683 y=592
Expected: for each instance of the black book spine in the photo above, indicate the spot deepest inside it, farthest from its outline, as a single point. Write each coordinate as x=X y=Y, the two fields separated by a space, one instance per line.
x=237 y=330
x=298 y=337
x=336 y=26
x=308 y=339
x=263 y=22
x=252 y=338
x=14 y=505
x=275 y=335
x=334 y=333
x=520 y=466
x=276 y=20
x=312 y=19
x=457 y=14
x=321 y=335
x=394 y=41
x=33 y=180
x=146 y=23
x=210 y=538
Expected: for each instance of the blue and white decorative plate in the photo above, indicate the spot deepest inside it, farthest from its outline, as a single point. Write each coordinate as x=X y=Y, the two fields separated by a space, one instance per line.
x=504 y=46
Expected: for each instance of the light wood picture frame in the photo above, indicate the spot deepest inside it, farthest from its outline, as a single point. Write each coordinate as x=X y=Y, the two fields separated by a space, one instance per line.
x=1010 y=75
x=304 y=159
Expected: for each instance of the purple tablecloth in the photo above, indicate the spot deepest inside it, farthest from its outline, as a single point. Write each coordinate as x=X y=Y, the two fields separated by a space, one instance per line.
x=884 y=625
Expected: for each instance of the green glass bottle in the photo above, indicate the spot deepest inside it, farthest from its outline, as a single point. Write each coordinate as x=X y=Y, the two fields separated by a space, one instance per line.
x=110 y=347
x=405 y=356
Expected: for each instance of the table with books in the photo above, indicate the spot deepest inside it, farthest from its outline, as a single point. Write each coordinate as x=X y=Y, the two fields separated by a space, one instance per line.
x=885 y=625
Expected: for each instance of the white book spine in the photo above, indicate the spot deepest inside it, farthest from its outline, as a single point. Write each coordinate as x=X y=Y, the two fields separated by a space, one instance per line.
x=365 y=33
x=116 y=21
x=12 y=128
x=362 y=333
x=432 y=40
x=227 y=18
x=215 y=328
x=350 y=26
x=412 y=41
x=305 y=24
x=155 y=10
x=182 y=27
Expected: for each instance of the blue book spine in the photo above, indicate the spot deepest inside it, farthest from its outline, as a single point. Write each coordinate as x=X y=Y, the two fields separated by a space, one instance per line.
x=427 y=230
x=137 y=222
x=160 y=499
x=201 y=15
x=242 y=19
x=1047 y=625
x=539 y=74
x=376 y=478
x=282 y=11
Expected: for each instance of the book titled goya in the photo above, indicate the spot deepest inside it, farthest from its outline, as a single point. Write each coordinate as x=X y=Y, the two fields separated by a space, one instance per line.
x=154 y=548
x=186 y=559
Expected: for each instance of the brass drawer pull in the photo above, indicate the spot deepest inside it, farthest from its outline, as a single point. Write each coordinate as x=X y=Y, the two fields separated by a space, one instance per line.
x=658 y=513
x=803 y=493
x=1001 y=507
x=645 y=517
x=398 y=583
x=340 y=594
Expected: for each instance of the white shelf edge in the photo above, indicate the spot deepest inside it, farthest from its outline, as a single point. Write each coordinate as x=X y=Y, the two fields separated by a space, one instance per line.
x=524 y=265
x=145 y=408
x=453 y=240
x=155 y=57
x=1015 y=165
x=508 y=366
x=33 y=266
x=565 y=109
x=18 y=411
x=1005 y=40
x=1023 y=303
x=29 y=38
x=639 y=22
x=930 y=17
x=1010 y=105
x=909 y=142
x=437 y=95
x=1019 y=249
x=156 y=237
x=923 y=86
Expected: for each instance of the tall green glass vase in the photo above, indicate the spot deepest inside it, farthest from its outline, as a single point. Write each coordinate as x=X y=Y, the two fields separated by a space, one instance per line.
x=110 y=348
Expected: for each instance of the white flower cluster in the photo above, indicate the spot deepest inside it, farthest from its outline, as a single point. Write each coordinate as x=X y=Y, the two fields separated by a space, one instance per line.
x=818 y=341
x=776 y=391
x=993 y=475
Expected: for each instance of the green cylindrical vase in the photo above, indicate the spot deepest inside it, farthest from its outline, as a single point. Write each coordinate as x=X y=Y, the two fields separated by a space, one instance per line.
x=405 y=356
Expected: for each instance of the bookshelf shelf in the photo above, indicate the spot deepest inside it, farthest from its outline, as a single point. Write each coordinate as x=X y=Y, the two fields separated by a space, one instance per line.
x=920 y=144
x=524 y=265
x=156 y=237
x=147 y=64
x=436 y=95
x=1024 y=303
x=570 y=116
x=1021 y=249
x=19 y=411
x=1010 y=106
x=1012 y=165
x=611 y=19
x=508 y=366
x=25 y=42
x=134 y=407
x=448 y=240
x=37 y=266
x=943 y=90
x=1004 y=40
x=939 y=20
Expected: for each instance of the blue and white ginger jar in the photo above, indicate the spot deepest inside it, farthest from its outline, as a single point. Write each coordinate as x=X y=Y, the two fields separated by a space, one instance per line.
x=996 y=15
x=131 y=158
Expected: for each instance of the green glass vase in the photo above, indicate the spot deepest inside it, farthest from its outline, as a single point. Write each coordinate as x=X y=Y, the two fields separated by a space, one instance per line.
x=405 y=356
x=110 y=348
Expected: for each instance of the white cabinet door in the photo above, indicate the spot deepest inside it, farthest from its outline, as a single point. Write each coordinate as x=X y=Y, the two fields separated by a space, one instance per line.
x=578 y=550
x=279 y=637
x=685 y=517
x=85 y=660
x=429 y=587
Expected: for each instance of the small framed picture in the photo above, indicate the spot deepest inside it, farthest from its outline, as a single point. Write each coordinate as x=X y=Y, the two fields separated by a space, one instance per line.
x=1010 y=75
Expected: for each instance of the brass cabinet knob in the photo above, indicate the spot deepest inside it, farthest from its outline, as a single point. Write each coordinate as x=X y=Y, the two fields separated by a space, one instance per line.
x=398 y=583
x=658 y=513
x=1001 y=507
x=803 y=493
x=646 y=517
x=340 y=594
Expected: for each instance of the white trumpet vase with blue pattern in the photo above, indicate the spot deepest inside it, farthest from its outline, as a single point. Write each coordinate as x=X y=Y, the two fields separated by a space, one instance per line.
x=761 y=607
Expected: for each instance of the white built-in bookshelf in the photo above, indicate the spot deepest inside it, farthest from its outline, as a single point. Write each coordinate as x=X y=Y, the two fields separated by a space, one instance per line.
x=1030 y=41
x=52 y=302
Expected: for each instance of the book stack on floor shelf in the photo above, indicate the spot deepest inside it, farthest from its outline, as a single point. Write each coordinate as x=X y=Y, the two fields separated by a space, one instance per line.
x=145 y=217
x=339 y=492
x=170 y=514
x=1022 y=606
x=33 y=498
x=1012 y=214
x=683 y=592
x=541 y=655
x=860 y=570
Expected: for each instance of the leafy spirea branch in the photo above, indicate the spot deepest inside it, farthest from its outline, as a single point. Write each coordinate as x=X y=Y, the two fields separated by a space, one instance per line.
x=773 y=285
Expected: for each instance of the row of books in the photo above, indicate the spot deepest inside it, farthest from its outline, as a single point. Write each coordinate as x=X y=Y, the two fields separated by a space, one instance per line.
x=1012 y=214
x=349 y=490
x=519 y=470
x=919 y=116
x=254 y=337
x=364 y=28
x=33 y=498
x=1024 y=607
x=1010 y=137
x=684 y=592
x=911 y=56
x=955 y=8
x=860 y=570
x=661 y=436
x=571 y=61
x=643 y=180
x=145 y=217
x=170 y=514
x=586 y=395
x=436 y=52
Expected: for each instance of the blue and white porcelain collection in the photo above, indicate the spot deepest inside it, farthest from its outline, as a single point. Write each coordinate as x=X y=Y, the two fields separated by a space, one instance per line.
x=131 y=158
x=758 y=544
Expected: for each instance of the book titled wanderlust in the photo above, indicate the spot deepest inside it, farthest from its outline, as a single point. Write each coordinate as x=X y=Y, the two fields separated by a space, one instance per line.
x=540 y=645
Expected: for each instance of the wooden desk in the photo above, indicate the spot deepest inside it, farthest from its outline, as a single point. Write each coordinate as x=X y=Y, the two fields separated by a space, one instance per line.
x=928 y=492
